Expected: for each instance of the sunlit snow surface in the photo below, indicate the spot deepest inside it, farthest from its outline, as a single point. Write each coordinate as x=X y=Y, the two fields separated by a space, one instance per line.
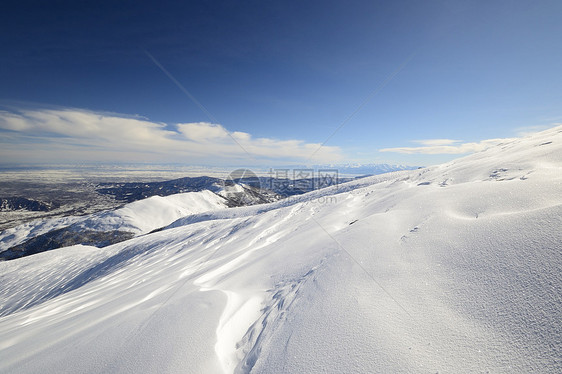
x=139 y=217
x=449 y=269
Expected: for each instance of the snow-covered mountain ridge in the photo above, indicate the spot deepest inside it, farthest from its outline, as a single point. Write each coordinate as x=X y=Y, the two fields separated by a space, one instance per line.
x=452 y=268
x=133 y=219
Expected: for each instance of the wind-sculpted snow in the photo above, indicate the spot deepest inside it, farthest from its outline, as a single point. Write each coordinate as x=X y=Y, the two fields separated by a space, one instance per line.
x=451 y=269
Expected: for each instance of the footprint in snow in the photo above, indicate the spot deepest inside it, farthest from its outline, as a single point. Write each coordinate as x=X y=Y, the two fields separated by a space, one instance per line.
x=414 y=230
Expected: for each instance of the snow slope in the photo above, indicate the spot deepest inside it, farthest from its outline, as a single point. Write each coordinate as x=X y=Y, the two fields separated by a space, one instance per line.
x=449 y=269
x=146 y=215
x=139 y=217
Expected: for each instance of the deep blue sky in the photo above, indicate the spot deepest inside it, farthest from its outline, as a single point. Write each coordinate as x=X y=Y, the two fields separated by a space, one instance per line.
x=291 y=70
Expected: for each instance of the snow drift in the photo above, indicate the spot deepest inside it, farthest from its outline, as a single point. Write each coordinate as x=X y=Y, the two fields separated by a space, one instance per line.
x=453 y=268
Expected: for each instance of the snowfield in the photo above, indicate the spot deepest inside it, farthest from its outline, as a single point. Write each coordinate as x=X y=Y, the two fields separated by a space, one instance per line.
x=449 y=269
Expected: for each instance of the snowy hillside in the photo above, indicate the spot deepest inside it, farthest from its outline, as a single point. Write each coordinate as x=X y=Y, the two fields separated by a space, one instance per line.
x=154 y=212
x=137 y=218
x=450 y=269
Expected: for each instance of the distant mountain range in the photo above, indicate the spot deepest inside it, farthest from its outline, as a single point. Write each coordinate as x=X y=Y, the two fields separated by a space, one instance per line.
x=21 y=203
x=365 y=169
x=284 y=181
x=165 y=202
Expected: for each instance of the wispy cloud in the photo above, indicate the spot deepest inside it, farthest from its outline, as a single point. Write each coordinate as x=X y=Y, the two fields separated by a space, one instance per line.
x=437 y=142
x=52 y=135
x=445 y=146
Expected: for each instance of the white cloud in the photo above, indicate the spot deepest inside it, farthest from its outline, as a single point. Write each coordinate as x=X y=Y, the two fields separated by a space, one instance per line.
x=436 y=142
x=202 y=131
x=78 y=135
x=243 y=136
x=445 y=146
x=11 y=121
